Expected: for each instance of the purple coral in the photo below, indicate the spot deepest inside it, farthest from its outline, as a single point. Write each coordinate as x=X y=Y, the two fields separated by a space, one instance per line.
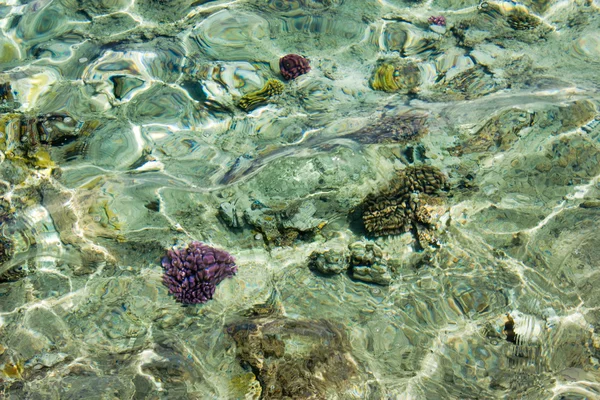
x=439 y=20
x=293 y=65
x=192 y=274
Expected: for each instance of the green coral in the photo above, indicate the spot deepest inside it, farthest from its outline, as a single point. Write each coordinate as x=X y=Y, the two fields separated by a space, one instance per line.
x=253 y=100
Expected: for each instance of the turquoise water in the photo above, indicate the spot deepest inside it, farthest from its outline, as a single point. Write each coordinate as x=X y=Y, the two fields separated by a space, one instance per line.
x=415 y=217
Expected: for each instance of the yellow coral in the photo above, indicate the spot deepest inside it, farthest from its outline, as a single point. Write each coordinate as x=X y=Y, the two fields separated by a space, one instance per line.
x=10 y=130
x=41 y=159
x=252 y=100
x=246 y=386
x=12 y=370
x=396 y=77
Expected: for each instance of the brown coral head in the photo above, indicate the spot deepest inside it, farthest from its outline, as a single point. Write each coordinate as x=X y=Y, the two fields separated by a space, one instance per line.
x=398 y=208
x=293 y=65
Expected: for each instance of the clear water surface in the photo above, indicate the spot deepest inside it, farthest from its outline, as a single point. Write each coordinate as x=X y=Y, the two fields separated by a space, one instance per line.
x=416 y=217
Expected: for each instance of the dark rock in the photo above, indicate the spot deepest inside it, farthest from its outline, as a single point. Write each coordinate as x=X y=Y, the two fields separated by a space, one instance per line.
x=329 y=262
x=368 y=265
x=282 y=226
x=228 y=214
x=296 y=359
x=123 y=85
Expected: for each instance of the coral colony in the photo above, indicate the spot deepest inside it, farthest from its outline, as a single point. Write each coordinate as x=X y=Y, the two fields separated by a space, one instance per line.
x=293 y=65
x=250 y=101
x=192 y=274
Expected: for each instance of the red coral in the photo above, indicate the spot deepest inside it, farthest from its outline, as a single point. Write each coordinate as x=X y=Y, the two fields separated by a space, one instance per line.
x=293 y=65
x=439 y=20
x=192 y=274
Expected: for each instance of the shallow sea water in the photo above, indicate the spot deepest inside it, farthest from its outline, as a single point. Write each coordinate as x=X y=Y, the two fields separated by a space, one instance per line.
x=415 y=218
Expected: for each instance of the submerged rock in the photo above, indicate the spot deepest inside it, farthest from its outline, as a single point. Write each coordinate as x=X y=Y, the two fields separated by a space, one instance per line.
x=229 y=215
x=5 y=249
x=328 y=262
x=498 y=133
x=376 y=273
x=246 y=387
x=397 y=128
x=470 y=84
x=28 y=140
x=301 y=217
x=281 y=227
x=7 y=100
x=123 y=85
x=15 y=273
x=367 y=264
x=297 y=359
x=6 y=245
x=520 y=19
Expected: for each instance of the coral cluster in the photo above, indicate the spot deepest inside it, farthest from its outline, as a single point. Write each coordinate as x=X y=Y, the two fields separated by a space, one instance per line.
x=365 y=262
x=192 y=274
x=439 y=20
x=329 y=262
x=255 y=99
x=400 y=207
x=293 y=65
